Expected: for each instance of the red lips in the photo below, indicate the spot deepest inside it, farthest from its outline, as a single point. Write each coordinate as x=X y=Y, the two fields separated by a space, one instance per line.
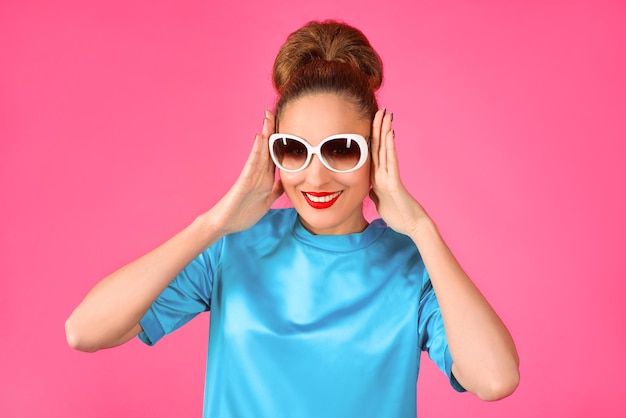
x=324 y=204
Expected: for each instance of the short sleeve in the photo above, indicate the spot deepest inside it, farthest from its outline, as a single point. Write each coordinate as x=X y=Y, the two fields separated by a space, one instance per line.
x=432 y=335
x=184 y=298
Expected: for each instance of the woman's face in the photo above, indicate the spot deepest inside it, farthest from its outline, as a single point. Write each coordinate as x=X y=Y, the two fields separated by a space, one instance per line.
x=313 y=118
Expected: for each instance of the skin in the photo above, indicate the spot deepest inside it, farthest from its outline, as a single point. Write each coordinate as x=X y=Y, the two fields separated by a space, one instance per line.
x=314 y=118
x=485 y=360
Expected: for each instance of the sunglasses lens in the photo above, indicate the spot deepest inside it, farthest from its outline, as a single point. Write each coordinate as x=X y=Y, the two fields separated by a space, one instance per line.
x=290 y=154
x=342 y=154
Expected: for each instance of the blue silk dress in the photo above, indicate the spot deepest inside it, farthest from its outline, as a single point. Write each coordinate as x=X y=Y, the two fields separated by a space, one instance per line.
x=307 y=325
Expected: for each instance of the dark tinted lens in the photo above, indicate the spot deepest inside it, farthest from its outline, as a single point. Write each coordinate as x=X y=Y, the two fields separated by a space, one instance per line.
x=341 y=153
x=290 y=154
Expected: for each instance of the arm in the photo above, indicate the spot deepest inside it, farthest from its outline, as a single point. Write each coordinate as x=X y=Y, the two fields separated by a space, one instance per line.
x=109 y=315
x=485 y=360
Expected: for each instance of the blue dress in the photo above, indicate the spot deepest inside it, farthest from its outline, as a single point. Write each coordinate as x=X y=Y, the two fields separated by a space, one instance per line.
x=307 y=325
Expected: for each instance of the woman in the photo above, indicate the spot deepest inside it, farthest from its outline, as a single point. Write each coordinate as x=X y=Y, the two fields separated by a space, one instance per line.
x=314 y=312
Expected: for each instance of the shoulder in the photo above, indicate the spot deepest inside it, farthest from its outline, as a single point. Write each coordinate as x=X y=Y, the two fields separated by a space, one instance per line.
x=268 y=232
x=276 y=218
x=398 y=251
x=275 y=223
x=394 y=240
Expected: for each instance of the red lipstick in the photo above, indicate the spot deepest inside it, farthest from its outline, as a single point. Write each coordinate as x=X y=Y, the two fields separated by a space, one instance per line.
x=321 y=200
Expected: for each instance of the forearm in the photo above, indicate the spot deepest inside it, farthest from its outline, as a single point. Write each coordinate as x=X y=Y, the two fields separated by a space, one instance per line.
x=110 y=313
x=484 y=356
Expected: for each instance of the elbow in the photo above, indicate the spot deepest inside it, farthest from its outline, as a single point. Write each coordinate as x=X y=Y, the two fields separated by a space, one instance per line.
x=76 y=338
x=500 y=388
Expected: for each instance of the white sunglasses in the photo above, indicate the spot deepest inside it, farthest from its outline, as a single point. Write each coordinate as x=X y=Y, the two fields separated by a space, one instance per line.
x=342 y=153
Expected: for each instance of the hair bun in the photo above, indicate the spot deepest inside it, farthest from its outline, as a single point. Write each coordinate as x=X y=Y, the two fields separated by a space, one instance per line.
x=326 y=41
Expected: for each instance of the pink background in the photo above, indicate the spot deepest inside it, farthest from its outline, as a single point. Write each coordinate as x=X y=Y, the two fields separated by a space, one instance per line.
x=121 y=121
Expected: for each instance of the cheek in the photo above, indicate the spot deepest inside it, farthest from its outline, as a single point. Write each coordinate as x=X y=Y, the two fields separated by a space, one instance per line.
x=360 y=178
x=290 y=180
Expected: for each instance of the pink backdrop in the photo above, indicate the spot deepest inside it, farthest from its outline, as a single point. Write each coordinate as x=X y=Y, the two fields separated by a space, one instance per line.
x=121 y=121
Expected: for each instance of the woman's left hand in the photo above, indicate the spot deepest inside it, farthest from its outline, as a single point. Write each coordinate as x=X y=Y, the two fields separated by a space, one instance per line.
x=395 y=205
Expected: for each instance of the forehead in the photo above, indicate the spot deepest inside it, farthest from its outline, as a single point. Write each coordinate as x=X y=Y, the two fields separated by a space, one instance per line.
x=317 y=116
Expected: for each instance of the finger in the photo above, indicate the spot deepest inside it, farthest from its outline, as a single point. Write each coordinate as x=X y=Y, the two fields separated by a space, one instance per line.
x=384 y=131
x=392 y=156
x=268 y=129
x=268 y=124
x=253 y=163
x=375 y=145
x=386 y=124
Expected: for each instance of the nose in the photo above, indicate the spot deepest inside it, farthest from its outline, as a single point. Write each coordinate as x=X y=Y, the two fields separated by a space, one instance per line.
x=316 y=173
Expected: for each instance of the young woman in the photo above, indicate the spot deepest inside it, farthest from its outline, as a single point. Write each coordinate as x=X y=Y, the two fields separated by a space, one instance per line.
x=314 y=312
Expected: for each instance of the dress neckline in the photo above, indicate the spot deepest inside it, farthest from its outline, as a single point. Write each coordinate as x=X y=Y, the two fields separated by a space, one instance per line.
x=338 y=243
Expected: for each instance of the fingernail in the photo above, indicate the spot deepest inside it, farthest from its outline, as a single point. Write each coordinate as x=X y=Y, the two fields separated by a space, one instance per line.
x=392 y=117
x=267 y=114
x=384 y=111
x=393 y=134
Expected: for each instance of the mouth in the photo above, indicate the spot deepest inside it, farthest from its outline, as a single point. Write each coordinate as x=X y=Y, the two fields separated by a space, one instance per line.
x=321 y=200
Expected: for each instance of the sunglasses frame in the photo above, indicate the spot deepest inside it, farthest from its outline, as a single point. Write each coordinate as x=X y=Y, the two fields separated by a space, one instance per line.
x=311 y=150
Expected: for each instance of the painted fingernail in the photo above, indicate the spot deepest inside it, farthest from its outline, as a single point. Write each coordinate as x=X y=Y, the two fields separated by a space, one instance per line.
x=393 y=134
x=392 y=117
x=384 y=111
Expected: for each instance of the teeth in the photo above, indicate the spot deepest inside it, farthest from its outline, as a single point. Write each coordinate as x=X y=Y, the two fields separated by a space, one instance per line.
x=323 y=199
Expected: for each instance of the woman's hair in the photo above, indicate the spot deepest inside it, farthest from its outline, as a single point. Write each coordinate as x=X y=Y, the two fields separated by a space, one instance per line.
x=328 y=57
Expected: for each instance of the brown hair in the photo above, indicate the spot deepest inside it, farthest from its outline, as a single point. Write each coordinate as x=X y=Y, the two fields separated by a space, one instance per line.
x=328 y=57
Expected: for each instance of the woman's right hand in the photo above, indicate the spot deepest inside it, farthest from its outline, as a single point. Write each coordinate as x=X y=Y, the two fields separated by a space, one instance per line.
x=254 y=191
x=110 y=313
